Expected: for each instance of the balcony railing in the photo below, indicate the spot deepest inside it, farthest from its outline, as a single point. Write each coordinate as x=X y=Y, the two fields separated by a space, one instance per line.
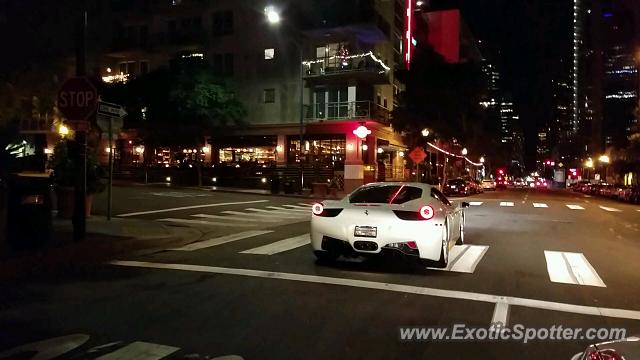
x=366 y=63
x=347 y=110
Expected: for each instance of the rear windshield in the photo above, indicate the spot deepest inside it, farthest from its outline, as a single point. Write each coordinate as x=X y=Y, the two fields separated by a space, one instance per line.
x=385 y=194
x=487 y=181
x=455 y=182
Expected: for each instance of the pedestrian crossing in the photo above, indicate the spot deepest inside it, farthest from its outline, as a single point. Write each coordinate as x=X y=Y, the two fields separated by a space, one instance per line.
x=248 y=218
x=541 y=205
x=562 y=267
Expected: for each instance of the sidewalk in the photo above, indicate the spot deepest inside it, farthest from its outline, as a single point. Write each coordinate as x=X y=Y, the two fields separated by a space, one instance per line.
x=104 y=241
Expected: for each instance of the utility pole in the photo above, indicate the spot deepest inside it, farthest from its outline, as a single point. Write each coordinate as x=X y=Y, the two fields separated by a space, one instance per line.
x=79 y=212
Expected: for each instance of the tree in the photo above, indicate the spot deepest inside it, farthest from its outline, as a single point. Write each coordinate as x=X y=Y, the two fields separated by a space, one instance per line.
x=178 y=106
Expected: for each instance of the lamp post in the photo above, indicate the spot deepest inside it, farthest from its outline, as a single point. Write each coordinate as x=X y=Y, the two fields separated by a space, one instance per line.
x=605 y=160
x=273 y=17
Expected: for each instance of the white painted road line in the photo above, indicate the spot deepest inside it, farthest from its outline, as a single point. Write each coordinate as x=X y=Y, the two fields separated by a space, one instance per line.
x=290 y=213
x=609 y=209
x=574 y=207
x=506 y=203
x=140 y=351
x=222 y=240
x=270 y=214
x=280 y=246
x=465 y=258
x=500 y=314
x=298 y=207
x=192 y=207
x=571 y=268
x=247 y=217
x=305 y=204
x=406 y=289
x=306 y=211
x=203 y=222
x=540 y=205
x=475 y=203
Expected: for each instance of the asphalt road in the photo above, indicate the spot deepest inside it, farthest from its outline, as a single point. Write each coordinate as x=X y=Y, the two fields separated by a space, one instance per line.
x=252 y=288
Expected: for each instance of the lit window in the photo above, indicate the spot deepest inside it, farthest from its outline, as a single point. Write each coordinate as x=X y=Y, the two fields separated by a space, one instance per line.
x=269 y=54
x=269 y=96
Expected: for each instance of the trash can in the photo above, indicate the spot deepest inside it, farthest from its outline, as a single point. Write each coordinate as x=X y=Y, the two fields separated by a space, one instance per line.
x=29 y=211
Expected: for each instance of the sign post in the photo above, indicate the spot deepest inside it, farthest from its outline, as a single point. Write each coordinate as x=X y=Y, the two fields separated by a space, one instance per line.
x=417 y=155
x=110 y=119
x=77 y=101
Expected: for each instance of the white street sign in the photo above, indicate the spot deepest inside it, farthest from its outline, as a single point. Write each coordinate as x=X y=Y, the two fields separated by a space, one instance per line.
x=110 y=109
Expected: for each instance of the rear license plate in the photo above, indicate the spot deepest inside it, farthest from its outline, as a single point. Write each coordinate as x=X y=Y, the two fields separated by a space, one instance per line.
x=366 y=231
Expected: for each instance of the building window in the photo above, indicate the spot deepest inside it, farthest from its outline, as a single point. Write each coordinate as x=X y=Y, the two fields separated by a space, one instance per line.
x=127 y=68
x=144 y=67
x=269 y=96
x=384 y=103
x=223 y=64
x=222 y=23
x=269 y=54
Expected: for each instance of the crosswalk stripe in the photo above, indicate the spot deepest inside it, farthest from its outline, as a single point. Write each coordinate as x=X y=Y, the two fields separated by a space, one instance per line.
x=297 y=207
x=540 y=205
x=506 y=203
x=202 y=222
x=465 y=258
x=305 y=204
x=574 y=207
x=222 y=240
x=140 y=351
x=280 y=246
x=475 y=203
x=288 y=212
x=610 y=209
x=286 y=209
x=270 y=214
x=571 y=268
x=247 y=217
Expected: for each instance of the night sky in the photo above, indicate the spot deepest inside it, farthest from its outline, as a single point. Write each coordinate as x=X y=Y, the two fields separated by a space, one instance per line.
x=530 y=42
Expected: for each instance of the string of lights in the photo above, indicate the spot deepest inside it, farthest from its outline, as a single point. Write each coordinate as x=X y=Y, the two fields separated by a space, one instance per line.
x=454 y=155
x=370 y=54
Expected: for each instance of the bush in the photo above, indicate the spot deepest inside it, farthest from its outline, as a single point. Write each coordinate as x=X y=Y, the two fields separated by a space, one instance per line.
x=65 y=167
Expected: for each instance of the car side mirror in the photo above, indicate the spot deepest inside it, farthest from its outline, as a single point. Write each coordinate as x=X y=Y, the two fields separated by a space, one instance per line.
x=465 y=204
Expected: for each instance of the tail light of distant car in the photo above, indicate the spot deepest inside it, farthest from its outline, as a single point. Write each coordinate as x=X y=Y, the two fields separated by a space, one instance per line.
x=318 y=209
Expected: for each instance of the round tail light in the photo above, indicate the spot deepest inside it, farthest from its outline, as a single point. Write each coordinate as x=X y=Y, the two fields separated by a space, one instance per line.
x=426 y=212
x=317 y=209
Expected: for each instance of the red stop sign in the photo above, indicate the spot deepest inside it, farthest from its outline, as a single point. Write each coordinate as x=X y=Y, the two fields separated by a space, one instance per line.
x=77 y=99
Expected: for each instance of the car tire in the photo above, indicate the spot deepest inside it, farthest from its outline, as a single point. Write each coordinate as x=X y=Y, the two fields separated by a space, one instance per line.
x=444 y=251
x=328 y=256
x=460 y=240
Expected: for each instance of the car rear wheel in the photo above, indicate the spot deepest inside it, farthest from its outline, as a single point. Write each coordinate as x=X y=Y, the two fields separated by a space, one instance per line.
x=444 y=251
x=460 y=240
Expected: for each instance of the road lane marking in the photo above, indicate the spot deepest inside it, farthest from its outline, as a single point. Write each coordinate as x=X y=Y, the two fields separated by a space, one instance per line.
x=506 y=203
x=192 y=207
x=247 y=217
x=280 y=246
x=305 y=204
x=610 y=209
x=140 y=351
x=203 y=222
x=540 y=205
x=47 y=349
x=298 y=207
x=464 y=258
x=288 y=213
x=574 y=207
x=306 y=211
x=571 y=268
x=475 y=203
x=500 y=314
x=407 y=289
x=270 y=215
x=221 y=240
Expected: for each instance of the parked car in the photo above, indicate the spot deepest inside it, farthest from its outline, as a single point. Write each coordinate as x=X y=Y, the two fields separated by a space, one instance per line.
x=489 y=184
x=457 y=187
x=519 y=183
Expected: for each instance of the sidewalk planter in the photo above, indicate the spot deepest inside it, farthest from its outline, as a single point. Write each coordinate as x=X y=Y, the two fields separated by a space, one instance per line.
x=320 y=189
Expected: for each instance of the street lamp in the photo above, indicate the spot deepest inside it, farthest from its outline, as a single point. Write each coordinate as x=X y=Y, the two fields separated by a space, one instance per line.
x=482 y=159
x=604 y=159
x=273 y=17
x=63 y=130
x=589 y=163
x=425 y=132
x=464 y=151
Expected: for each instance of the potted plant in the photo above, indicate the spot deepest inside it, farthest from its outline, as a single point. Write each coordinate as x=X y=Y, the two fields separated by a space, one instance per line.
x=65 y=167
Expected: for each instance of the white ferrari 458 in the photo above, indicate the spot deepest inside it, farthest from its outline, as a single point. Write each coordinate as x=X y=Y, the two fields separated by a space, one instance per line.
x=412 y=219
